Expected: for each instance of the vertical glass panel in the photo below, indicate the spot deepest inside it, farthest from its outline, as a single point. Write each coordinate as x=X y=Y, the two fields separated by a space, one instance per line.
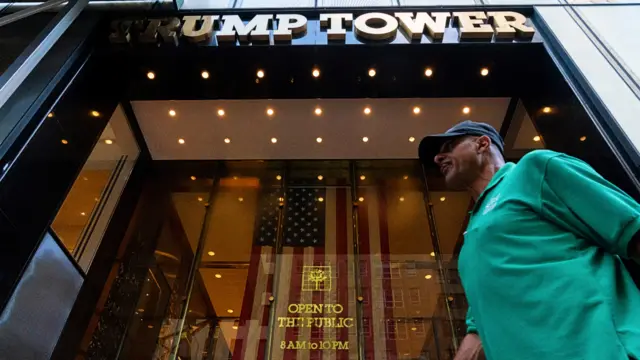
x=156 y=319
x=402 y=288
x=206 y=4
x=316 y=288
x=355 y=3
x=275 y=4
x=436 y=2
x=85 y=212
x=522 y=2
x=237 y=261
x=37 y=311
x=605 y=21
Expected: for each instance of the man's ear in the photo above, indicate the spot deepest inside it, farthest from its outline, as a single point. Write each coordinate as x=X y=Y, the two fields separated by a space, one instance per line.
x=484 y=143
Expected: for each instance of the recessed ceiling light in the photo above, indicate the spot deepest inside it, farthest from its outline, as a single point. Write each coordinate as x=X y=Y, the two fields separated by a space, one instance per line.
x=412 y=139
x=108 y=141
x=211 y=253
x=270 y=112
x=427 y=277
x=235 y=178
x=218 y=276
x=193 y=177
x=319 y=140
x=181 y=141
x=278 y=177
x=151 y=75
x=362 y=177
x=221 y=112
x=367 y=110
x=546 y=109
x=365 y=139
x=484 y=71
x=401 y=198
x=433 y=254
x=537 y=138
x=416 y=110
x=200 y=198
x=150 y=326
x=466 y=110
x=95 y=113
x=372 y=72
x=235 y=327
x=274 y=140
x=320 y=177
x=318 y=111
x=583 y=138
x=240 y=199
x=405 y=177
x=315 y=73
x=204 y=74
x=64 y=141
x=227 y=140
x=172 y=112
x=428 y=72
x=320 y=199
x=443 y=198
x=281 y=199
x=414 y=328
x=361 y=199
x=260 y=74
x=50 y=115
x=83 y=213
x=230 y=311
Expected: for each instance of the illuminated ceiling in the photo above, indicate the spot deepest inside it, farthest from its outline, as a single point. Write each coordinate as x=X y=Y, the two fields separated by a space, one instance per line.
x=246 y=129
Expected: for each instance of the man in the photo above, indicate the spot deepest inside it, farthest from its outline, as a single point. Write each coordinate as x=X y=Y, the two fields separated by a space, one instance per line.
x=540 y=263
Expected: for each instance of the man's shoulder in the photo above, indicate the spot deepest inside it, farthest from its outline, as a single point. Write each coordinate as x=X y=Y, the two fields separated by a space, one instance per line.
x=537 y=159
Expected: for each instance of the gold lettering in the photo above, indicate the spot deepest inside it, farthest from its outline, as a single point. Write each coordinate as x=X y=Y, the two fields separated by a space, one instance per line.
x=473 y=25
x=317 y=309
x=506 y=23
x=204 y=33
x=291 y=307
x=291 y=322
x=335 y=308
x=348 y=322
x=416 y=27
x=281 y=321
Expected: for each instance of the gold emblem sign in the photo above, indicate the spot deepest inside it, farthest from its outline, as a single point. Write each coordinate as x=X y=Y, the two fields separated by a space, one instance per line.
x=316 y=278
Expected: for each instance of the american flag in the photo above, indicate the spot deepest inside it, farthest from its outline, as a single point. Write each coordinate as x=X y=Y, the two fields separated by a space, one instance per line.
x=304 y=217
x=384 y=223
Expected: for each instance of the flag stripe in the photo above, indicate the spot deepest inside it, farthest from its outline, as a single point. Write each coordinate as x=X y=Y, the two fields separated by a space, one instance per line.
x=365 y=275
x=386 y=271
x=332 y=260
x=247 y=304
x=379 y=334
x=268 y=266
x=282 y=297
x=294 y=296
x=342 y=266
x=318 y=298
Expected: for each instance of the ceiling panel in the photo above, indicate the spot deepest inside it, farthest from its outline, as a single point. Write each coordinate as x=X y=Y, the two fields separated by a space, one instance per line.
x=342 y=126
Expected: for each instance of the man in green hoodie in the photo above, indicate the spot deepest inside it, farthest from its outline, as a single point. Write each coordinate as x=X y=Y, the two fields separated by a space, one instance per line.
x=540 y=263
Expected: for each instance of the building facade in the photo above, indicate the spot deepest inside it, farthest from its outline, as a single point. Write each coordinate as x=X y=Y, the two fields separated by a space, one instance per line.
x=209 y=179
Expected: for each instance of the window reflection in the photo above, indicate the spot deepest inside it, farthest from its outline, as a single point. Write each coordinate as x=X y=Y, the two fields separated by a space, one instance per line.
x=85 y=212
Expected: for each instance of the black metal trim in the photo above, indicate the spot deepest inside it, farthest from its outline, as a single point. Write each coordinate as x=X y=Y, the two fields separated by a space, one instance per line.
x=130 y=114
x=508 y=117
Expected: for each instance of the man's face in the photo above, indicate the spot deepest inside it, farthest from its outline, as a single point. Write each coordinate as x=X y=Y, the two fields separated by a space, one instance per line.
x=459 y=162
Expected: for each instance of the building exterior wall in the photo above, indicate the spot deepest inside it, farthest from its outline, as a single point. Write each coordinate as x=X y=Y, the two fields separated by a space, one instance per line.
x=588 y=37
